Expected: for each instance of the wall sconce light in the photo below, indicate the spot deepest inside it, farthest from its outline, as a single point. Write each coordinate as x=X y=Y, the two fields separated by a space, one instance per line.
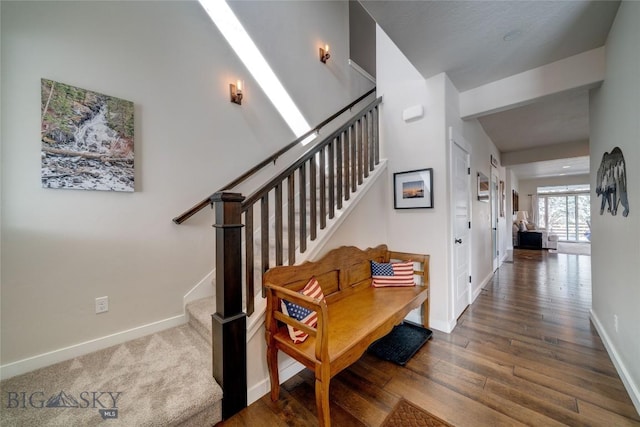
x=324 y=54
x=235 y=91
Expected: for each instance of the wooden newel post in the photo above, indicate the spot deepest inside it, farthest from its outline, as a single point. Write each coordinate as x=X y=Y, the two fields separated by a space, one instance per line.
x=229 y=321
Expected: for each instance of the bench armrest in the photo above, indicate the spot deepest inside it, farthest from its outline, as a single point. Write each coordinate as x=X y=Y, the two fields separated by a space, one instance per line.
x=422 y=259
x=319 y=306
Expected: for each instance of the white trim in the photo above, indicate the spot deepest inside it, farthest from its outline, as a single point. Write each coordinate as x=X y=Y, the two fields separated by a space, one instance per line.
x=455 y=138
x=67 y=353
x=263 y=387
x=584 y=70
x=313 y=248
x=443 y=326
x=203 y=289
x=632 y=388
x=478 y=290
x=361 y=70
x=258 y=317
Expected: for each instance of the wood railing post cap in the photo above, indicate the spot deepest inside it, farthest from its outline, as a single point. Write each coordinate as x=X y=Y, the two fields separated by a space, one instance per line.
x=222 y=196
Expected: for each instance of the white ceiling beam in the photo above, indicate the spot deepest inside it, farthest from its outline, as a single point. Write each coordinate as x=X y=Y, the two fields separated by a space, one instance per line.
x=584 y=70
x=566 y=150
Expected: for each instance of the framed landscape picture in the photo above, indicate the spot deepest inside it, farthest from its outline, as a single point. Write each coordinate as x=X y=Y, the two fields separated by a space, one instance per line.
x=87 y=139
x=413 y=189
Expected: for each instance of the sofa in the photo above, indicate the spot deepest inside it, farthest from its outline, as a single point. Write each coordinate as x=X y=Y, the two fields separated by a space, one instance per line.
x=549 y=239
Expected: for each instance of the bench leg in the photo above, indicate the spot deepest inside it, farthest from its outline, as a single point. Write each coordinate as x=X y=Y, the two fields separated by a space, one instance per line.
x=425 y=314
x=322 y=403
x=272 y=361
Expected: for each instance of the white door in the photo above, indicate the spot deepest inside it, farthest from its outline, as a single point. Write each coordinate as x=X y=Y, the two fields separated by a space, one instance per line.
x=461 y=233
x=495 y=206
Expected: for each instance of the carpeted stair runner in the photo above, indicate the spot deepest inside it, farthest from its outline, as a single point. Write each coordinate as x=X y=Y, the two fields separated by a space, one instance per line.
x=200 y=312
x=163 y=379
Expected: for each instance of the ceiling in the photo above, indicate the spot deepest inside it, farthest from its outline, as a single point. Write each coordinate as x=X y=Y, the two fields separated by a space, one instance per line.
x=478 y=42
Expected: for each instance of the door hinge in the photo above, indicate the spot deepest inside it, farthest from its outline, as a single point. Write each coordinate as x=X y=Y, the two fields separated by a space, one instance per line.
x=469 y=225
x=469 y=279
x=468 y=171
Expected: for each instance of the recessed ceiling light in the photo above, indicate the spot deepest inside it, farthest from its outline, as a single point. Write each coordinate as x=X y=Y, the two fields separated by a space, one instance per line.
x=512 y=35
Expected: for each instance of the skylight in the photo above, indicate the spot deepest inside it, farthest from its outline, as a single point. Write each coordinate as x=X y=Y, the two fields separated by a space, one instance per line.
x=242 y=44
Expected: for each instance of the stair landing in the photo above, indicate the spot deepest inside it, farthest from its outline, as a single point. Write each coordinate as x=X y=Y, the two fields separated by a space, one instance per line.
x=163 y=379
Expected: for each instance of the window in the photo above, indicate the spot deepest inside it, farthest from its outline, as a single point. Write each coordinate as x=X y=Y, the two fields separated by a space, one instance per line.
x=565 y=211
x=242 y=44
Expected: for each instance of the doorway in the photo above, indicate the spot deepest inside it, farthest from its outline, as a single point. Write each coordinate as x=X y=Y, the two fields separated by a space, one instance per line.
x=495 y=214
x=461 y=217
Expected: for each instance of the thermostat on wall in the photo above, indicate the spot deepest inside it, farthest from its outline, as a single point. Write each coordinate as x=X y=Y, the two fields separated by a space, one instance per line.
x=412 y=113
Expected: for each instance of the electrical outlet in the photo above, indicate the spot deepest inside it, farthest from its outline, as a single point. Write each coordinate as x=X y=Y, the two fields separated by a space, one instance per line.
x=615 y=322
x=102 y=305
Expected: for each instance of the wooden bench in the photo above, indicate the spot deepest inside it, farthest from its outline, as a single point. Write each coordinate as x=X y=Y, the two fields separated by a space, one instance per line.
x=352 y=316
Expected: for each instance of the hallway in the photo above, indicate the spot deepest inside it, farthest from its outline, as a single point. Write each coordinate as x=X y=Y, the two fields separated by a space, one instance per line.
x=525 y=353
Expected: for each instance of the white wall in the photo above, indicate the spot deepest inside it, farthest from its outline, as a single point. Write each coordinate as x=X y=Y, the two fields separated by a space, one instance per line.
x=615 y=249
x=415 y=145
x=62 y=248
x=481 y=227
x=366 y=226
x=482 y=148
x=423 y=143
x=0 y=191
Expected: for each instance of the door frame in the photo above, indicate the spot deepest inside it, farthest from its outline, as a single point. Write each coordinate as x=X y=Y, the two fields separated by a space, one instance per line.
x=495 y=217
x=456 y=139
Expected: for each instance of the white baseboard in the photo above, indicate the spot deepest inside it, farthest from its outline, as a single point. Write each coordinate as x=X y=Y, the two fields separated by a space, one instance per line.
x=263 y=387
x=632 y=388
x=442 y=326
x=361 y=70
x=203 y=289
x=478 y=289
x=46 y=359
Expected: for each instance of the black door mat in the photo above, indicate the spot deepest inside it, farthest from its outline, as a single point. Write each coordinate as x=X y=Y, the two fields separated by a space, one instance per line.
x=401 y=343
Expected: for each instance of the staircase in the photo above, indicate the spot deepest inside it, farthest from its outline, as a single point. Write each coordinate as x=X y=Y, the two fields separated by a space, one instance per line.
x=285 y=221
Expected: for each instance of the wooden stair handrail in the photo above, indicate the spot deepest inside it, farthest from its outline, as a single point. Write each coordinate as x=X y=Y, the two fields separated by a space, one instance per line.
x=331 y=170
x=349 y=159
x=271 y=159
x=265 y=188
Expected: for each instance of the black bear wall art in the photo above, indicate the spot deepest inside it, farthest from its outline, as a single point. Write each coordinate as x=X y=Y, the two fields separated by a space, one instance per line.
x=611 y=182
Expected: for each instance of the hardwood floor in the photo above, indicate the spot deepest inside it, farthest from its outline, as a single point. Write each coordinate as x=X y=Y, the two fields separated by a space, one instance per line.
x=525 y=353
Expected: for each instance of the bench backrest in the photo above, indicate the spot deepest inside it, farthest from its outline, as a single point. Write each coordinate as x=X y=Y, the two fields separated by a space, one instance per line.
x=340 y=272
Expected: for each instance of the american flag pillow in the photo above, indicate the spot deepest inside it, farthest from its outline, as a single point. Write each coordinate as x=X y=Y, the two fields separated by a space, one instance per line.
x=302 y=314
x=392 y=274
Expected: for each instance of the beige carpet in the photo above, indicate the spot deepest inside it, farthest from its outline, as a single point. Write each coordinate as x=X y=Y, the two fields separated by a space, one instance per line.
x=162 y=379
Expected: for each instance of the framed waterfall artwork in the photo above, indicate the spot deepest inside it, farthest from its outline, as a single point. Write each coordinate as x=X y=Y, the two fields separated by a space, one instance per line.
x=87 y=139
x=413 y=189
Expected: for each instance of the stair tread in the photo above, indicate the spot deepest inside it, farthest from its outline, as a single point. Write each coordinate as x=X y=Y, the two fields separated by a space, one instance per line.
x=200 y=312
x=171 y=366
